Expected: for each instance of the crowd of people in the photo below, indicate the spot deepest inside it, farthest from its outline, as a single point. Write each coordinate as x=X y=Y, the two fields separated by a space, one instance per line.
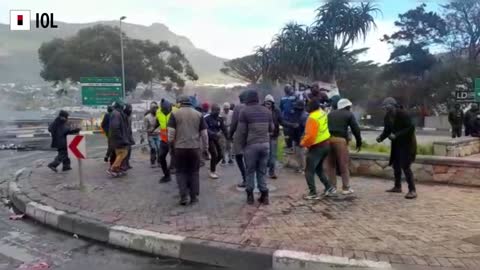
x=316 y=130
x=469 y=119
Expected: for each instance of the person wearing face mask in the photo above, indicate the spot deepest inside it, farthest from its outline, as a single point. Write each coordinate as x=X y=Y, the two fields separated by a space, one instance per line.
x=399 y=128
x=215 y=126
x=59 y=130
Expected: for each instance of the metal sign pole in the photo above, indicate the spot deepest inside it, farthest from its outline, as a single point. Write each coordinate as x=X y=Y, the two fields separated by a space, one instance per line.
x=80 y=173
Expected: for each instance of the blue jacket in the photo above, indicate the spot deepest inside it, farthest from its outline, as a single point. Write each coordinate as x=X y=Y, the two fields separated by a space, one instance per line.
x=287 y=104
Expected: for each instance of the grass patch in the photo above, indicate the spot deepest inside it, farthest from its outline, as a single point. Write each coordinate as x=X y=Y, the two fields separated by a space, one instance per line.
x=425 y=150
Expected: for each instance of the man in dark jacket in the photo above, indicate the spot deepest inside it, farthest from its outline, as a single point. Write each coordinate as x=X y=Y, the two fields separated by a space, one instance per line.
x=215 y=126
x=128 y=113
x=455 y=118
x=254 y=128
x=119 y=138
x=287 y=103
x=297 y=128
x=400 y=129
x=237 y=148
x=277 y=122
x=105 y=126
x=59 y=130
x=339 y=121
x=470 y=116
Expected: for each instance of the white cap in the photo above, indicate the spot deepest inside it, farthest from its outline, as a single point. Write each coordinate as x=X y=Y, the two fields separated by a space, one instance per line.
x=226 y=105
x=269 y=98
x=343 y=103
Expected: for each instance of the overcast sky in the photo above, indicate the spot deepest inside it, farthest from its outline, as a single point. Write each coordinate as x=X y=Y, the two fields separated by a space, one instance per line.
x=227 y=28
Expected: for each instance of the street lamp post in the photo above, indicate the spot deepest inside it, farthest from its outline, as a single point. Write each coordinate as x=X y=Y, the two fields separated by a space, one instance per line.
x=121 y=52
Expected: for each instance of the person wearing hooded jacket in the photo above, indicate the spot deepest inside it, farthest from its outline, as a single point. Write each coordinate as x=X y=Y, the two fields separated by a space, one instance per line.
x=59 y=130
x=469 y=117
x=105 y=126
x=163 y=116
x=269 y=103
x=119 y=139
x=399 y=128
x=253 y=135
x=339 y=121
x=215 y=128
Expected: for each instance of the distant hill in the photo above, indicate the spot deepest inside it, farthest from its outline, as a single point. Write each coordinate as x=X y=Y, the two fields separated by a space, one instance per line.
x=19 y=58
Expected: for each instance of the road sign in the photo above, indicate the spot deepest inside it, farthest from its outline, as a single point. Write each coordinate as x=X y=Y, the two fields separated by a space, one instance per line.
x=97 y=91
x=464 y=96
x=477 y=89
x=76 y=147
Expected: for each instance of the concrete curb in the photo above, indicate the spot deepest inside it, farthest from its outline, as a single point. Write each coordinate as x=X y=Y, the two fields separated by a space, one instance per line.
x=176 y=246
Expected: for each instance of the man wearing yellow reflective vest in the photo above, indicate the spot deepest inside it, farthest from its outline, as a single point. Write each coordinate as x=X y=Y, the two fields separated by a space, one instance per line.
x=163 y=116
x=316 y=140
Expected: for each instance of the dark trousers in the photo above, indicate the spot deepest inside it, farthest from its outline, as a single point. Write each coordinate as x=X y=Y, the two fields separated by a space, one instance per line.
x=315 y=158
x=256 y=159
x=162 y=158
x=288 y=137
x=187 y=171
x=398 y=167
x=456 y=131
x=109 y=153
x=216 y=154
x=241 y=165
x=62 y=157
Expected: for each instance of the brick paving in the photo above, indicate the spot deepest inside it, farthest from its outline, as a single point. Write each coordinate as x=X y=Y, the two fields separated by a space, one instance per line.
x=440 y=228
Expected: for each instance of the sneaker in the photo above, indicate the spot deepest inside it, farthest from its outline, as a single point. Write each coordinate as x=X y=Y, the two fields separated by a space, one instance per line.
x=242 y=185
x=183 y=201
x=112 y=173
x=331 y=192
x=311 y=197
x=230 y=162
x=66 y=169
x=273 y=176
x=349 y=191
x=53 y=168
x=165 y=179
x=223 y=162
x=394 y=190
x=213 y=175
x=411 y=195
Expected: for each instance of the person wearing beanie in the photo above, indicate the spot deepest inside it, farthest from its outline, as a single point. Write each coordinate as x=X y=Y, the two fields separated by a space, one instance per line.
x=236 y=147
x=316 y=140
x=286 y=107
x=205 y=108
x=399 y=128
x=162 y=116
x=254 y=128
x=59 y=129
x=269 y=103
x=187 y=131
x=339 y=122
x=215 y=127
x=227 y=115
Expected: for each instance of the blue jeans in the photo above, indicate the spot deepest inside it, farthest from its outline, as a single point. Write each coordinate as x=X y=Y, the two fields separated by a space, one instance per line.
x=154 y=143
x=272 y=158
x=256 y=159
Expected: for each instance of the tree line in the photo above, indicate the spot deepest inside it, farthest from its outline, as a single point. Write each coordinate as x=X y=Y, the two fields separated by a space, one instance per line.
x=96 y=52
x=432 y=53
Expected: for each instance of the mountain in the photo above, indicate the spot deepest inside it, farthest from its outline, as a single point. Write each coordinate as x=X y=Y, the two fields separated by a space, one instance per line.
x=19 y=58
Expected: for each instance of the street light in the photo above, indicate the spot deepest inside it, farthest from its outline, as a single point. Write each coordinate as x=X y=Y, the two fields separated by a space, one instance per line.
x=121 y=52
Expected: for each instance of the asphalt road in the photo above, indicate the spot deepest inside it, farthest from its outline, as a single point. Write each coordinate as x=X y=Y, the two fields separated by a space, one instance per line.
x=24 y=243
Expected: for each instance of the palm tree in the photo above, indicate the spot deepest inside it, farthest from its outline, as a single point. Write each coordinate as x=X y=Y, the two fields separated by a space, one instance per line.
x=341 y=24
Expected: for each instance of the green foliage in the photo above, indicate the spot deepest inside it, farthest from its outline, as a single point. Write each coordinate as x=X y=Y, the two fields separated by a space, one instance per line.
x=95 y=52
x=318 y=51
x=425 y=150
x=247 y=68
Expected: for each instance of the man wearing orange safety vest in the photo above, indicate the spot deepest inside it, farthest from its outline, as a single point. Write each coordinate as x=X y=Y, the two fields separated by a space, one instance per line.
x=163 y=116
x=316 y=140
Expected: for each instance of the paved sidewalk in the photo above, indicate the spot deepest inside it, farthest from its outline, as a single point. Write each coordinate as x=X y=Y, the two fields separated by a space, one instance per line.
x=440 y=228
